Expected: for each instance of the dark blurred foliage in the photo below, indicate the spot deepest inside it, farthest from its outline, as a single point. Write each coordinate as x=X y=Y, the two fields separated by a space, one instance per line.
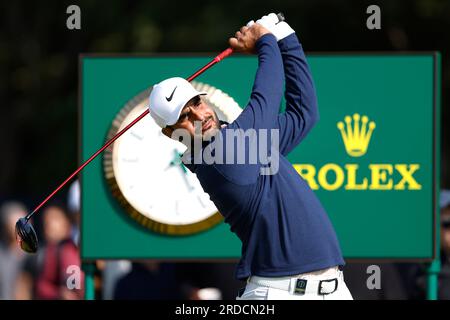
x=39 y=61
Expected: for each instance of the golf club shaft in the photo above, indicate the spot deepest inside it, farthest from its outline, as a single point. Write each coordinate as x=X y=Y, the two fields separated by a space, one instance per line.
x=218 y=58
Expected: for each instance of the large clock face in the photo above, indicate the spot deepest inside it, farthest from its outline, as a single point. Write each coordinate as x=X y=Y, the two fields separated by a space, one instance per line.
x=146 y=175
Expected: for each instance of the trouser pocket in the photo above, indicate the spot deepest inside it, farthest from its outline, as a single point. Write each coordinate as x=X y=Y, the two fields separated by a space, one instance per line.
x=253 y=292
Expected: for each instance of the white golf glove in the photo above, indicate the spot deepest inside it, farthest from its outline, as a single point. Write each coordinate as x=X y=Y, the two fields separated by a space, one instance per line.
x=279 y=29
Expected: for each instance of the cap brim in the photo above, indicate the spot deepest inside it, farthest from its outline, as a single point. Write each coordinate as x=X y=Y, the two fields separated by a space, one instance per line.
x=175 y=118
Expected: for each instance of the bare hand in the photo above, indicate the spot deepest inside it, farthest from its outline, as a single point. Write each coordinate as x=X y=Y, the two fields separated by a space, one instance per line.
x=245 y=39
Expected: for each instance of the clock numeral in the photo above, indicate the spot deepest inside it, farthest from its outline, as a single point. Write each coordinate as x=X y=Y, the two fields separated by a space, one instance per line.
x=176 y=208
x=201 y=201
x=134 y=134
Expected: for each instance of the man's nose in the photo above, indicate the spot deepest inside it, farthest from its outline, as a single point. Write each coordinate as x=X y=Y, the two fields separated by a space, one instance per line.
x=197 y=115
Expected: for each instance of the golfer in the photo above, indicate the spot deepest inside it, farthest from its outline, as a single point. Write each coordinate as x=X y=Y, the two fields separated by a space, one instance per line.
x=289 y=247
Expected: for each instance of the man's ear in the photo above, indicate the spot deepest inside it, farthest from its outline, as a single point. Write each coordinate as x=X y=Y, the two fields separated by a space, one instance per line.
x=167 y=131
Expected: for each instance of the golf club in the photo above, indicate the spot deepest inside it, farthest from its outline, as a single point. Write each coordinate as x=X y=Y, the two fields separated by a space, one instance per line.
x=25 y=233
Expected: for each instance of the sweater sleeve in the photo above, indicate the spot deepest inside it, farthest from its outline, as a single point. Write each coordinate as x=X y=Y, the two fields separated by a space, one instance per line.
x=262 y=110
x=301 y=102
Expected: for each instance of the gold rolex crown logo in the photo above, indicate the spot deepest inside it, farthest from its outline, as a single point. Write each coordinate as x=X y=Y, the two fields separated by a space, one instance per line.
x=356 y=136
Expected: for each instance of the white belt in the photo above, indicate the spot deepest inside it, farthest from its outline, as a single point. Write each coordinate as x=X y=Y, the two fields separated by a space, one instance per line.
x=299 y=285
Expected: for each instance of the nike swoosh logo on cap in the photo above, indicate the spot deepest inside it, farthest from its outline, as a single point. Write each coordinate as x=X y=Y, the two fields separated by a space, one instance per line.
x=171 y=96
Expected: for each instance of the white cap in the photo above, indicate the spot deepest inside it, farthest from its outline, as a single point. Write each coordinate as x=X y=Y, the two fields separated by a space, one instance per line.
x=168 y=98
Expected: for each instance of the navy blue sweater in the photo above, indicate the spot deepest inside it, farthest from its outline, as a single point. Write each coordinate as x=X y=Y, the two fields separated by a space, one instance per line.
x=282 y=225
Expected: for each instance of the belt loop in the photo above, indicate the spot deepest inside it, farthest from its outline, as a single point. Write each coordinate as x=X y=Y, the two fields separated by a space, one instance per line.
x=326 y=281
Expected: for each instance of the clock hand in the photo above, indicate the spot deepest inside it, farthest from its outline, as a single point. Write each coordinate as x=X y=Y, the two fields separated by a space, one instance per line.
x=183 y=167
x=176 y=161
x=188 y=184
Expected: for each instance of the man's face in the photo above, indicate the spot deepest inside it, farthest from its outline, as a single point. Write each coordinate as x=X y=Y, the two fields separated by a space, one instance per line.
x=196 y=113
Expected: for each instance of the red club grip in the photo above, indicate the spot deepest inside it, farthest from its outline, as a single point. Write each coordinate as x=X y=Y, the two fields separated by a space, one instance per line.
x=223 y=54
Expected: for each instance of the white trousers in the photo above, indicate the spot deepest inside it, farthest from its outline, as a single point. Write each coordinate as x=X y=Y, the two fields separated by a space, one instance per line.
x=309 y=287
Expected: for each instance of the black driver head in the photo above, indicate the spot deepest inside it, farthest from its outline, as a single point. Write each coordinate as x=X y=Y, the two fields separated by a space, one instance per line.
x=26 y=236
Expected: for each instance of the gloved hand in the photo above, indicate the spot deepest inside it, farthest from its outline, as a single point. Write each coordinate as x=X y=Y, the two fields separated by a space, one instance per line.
x=279 y=29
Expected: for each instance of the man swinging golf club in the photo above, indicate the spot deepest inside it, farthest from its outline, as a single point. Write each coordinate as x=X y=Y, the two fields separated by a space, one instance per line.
x=289 y=247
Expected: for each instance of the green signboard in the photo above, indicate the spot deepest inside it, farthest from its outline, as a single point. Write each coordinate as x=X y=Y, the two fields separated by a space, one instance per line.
x=371 y=159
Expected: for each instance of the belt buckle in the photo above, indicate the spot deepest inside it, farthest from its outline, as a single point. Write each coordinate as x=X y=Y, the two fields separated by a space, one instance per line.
x=335 y=286
x=300 y=286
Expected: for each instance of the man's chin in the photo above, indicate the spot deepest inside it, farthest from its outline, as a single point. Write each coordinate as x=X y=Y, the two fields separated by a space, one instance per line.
x=208 y=134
